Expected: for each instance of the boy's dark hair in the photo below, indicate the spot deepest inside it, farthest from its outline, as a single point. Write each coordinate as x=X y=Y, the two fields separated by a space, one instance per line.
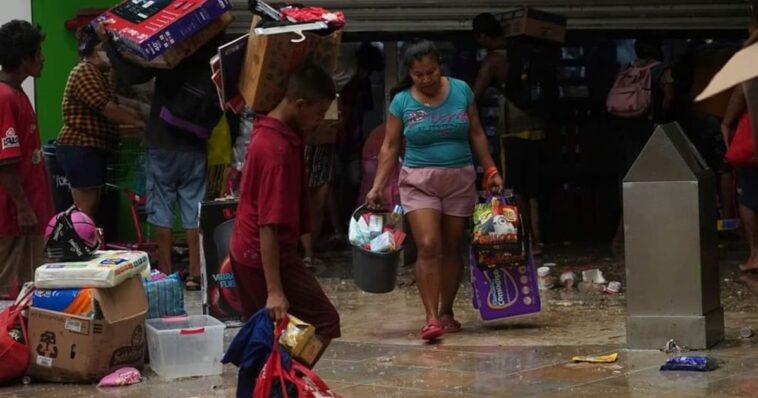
x=486 y=24
x=19 y=41
x=311 y=83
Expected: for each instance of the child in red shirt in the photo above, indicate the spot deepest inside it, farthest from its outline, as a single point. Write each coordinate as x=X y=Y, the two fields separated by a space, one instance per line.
x=273 y=214
x=25 y=199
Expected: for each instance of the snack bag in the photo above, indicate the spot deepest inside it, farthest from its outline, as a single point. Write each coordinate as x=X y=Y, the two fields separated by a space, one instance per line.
x=499 y=239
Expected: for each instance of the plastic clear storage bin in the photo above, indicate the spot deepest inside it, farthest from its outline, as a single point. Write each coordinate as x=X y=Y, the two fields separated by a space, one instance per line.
x=185 y=346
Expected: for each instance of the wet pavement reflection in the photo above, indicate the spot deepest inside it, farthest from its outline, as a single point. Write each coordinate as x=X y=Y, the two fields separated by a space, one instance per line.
x=380 y=354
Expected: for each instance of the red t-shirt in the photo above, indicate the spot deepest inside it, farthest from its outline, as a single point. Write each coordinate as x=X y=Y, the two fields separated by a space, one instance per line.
x=20 y=143
x=273 y=192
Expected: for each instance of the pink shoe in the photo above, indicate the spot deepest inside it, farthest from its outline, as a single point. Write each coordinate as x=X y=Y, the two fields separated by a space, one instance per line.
x=432 y=331
x=451 y=326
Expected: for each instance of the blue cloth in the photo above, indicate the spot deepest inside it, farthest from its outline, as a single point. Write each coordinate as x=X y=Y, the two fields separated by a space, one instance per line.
x=436 y=136
x=250 y=349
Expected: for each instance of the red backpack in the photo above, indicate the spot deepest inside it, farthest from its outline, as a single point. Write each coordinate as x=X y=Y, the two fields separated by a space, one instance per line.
x=632 y=93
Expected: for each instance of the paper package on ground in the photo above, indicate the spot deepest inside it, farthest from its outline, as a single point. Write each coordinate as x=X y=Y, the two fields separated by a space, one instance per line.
x=107 y=268
x=271 y=58
x=149 y=28
x=71 y=348
x=505 y=292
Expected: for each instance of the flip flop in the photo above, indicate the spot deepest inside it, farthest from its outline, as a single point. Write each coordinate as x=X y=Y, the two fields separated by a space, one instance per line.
x=451 y=326
x=192 y=284
x=746 y=269
x=432 y=331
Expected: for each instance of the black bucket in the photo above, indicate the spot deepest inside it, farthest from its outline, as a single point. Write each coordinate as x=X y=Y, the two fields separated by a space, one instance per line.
x=59 y=186
x=374 y=272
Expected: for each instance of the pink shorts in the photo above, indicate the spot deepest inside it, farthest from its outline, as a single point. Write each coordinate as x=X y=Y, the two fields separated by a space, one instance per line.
x=451 y=191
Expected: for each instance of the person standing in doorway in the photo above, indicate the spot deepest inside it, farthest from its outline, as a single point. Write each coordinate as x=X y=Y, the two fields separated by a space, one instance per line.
x=91 y=118
x=523 y=129
x=25 y=197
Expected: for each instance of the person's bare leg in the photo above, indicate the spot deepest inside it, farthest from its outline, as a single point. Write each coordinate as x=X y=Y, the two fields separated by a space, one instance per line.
x=426 y=226
x=534 y=220
x=727 y=195
x=750 y=222
x=452 y=264
x=165 y=241
x=87 y=200
x=193 y=244
x=319 y=197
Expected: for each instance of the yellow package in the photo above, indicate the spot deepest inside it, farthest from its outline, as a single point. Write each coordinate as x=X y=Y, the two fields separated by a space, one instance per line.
x=296 y=336
x=598 y=359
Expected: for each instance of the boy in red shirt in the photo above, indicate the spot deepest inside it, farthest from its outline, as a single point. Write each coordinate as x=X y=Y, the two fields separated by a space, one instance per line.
x=273 y=214
x=25 y=199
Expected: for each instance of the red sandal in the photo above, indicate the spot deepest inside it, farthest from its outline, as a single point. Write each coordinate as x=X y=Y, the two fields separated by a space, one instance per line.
x=451 y=326
x=432 y=331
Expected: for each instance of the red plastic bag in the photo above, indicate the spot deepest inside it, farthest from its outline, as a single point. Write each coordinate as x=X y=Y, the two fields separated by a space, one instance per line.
x=14 y=355
x=741 y=151
x=298 y=381
x=314 y=14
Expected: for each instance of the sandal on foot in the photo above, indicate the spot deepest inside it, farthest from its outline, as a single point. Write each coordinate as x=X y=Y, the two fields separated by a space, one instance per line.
x=192 y=283
x=432 y=331
x=451 y=326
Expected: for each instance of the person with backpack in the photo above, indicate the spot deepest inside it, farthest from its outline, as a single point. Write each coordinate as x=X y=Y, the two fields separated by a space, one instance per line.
x=183 y=112
x=513 y=81
x=641 y=97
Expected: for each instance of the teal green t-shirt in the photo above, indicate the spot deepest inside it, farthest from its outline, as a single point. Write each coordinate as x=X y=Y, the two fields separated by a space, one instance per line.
x=436 y=136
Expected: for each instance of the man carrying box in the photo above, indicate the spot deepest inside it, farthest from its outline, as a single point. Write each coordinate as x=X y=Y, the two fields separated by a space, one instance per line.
x=273 y=211
x=176 y=157
x=25 y=198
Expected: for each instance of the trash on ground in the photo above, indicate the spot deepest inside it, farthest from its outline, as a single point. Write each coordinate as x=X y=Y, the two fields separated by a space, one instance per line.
x=613 y=288
x=672 y=347
x=597 y=359
x=746 y=333
x=594 y=276
x=121 y=377
x=545 y=280
x=568 y=279
x=689 y=363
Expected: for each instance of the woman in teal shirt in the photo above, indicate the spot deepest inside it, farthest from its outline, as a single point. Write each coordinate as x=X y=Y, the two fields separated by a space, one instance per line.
x=438 y=119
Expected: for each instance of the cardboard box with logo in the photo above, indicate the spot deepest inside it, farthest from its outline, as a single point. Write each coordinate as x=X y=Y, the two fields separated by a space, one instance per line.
x=70 y=348
x=274 y=53
x=176 y=54
x=149 y=28
x=219 y=289
x=534 y=23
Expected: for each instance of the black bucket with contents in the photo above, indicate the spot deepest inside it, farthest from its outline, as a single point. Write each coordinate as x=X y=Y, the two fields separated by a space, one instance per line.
x=374 y=272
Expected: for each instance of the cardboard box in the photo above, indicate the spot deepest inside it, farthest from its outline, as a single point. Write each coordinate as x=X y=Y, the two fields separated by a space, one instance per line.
x=149 y=28
x=311 y=351
x=176 y=54
x=271 y=58
x=296 y=336
x=505 y=292
x=534 y=23
x=219 y=289
x=69 y=348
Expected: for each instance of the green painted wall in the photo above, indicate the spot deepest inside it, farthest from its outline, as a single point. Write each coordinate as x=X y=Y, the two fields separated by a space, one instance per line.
x=59 y=49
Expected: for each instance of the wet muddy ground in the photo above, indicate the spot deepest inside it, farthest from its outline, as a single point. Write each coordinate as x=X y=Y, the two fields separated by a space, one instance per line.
x=380 y=354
